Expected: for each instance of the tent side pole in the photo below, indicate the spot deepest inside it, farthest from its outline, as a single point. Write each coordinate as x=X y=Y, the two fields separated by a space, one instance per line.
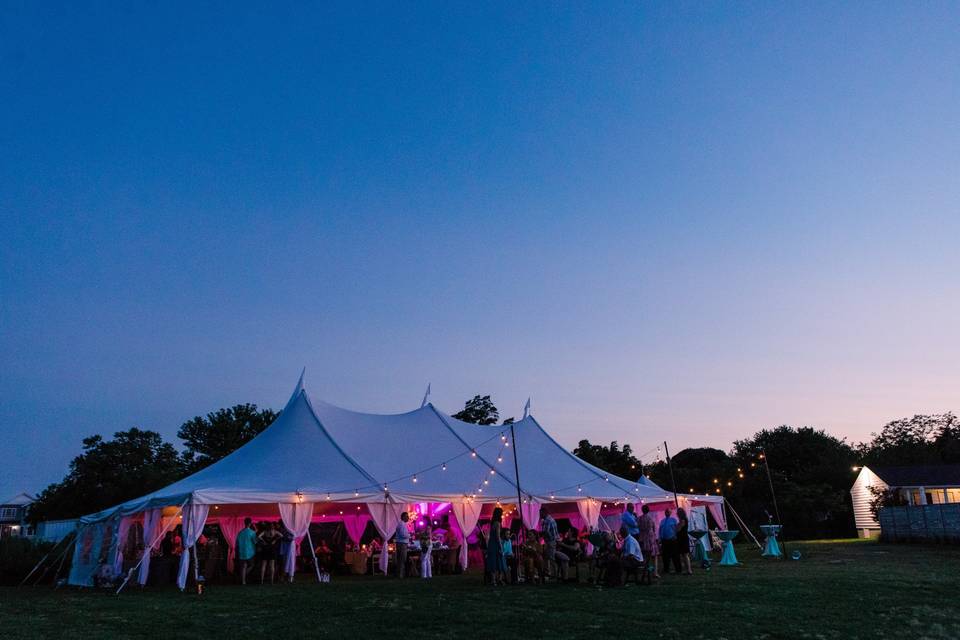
x=313 y=554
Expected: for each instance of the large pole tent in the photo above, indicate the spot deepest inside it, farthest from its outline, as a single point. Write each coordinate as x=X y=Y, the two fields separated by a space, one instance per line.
x=321 y=463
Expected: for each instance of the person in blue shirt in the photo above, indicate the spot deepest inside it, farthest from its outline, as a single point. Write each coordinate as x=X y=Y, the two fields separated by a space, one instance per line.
x=628 y=520
x=669 y=549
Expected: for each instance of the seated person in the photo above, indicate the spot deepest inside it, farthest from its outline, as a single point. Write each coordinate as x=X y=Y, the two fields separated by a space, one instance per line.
x=570 y=545
x=532 y=557
x=630 y=555
x=324 y=555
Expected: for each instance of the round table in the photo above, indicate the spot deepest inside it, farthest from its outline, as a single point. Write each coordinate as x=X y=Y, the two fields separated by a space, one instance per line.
x=729 y=558
x=771 y=549
x=700 y=552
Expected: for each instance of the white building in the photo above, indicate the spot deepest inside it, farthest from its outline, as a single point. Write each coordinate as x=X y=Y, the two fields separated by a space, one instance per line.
x=918 y=484
x=13 y=516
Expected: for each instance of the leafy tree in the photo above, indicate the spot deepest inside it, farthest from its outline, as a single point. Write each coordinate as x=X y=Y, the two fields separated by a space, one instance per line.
x=613 y=459
x=479 y=410
x=922 y=439
x=695 y=469
x=881 y=497
x=110 y=472
x=811 y=475
x=209 y=439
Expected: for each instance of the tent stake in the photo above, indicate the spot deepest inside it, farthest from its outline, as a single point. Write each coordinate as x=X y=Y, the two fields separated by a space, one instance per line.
x=316 y=565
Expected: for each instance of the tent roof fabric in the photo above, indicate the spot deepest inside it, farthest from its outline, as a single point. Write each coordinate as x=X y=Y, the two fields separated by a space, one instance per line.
x=315 y=451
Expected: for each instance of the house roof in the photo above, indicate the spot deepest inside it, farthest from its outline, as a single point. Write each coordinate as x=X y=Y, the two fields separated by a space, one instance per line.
x=19 y=500
x=921 y=475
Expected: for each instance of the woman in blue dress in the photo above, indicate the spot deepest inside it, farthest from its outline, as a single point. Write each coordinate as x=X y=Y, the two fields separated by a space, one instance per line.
x=496 y=564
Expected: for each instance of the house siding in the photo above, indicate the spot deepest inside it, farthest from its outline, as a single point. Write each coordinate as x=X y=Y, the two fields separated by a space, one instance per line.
x=860 y=494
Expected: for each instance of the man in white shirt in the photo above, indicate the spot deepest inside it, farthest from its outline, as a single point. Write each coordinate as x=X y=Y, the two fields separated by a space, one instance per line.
x=630 y=554
x=402 y=540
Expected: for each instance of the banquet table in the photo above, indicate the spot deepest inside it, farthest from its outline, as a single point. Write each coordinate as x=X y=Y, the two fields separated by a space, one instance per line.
x=729 y=558
x=771 y=548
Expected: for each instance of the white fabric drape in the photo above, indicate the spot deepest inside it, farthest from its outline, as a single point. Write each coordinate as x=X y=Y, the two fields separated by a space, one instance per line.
x=151 y=527
x=716 y=510
x=122 y=532
x=385 y=516
x=467 y=514
x=355 y=526
x=589 y=511
x=296 y=518
x=230 y=527
x=530 y=512
x=194 y=517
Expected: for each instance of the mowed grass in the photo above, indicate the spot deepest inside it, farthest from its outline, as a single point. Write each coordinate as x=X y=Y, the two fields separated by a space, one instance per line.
x=839 y=589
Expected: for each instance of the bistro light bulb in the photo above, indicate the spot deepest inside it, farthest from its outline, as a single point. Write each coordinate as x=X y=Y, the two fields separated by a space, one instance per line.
x=753 y=464
x=492 y=471
x=473 y=454
x=479 y=489
x=552 y=497
x=506 y=444
x=328 y=496
x=579 y=489
x=414 y=478
x=499 y=458
x=729 y=484
x=503 y=437
x=443 y=467
x=485 y=481
x=355 y=493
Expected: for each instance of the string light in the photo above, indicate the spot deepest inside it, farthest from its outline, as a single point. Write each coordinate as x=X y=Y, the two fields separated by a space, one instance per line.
x=499 y=458
x=579 y=489
x=328 y=496
x=356 y=493
x=506 y=444
x=443 y=467
x=485 y=481
x=492 y=471
x=473 y=454
x=414 y=477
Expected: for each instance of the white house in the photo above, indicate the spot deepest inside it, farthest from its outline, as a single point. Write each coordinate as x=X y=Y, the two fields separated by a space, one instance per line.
x=13 y=515
x=918 y=484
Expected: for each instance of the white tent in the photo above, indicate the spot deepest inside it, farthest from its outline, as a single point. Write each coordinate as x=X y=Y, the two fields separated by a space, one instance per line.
x=318 y=461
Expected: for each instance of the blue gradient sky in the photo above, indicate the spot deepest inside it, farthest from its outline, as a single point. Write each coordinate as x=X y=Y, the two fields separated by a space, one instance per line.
x=661 y=221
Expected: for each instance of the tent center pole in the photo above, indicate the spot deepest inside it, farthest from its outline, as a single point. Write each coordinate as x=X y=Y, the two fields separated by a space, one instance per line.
x=516 y=473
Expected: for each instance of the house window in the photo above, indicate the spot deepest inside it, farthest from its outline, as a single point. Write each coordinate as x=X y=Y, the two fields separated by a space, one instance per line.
x=934 y=496
x=10 y=513
x=953 y=495
x=915 y=497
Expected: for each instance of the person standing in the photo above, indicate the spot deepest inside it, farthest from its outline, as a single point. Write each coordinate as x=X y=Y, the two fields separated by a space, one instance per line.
x=550 y=538
x=683 y=541
x=495 y=563
x=648 y=539
x=402 y=540
x=628 y=521
x=668 y=542
x=269 y=540
x=426 y=551
x=246 y=548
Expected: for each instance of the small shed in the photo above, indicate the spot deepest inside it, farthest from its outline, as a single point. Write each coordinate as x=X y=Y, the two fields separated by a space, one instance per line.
x=919 y=485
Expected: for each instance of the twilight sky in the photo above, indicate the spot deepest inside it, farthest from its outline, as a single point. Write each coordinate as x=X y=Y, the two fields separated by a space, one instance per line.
x=660 y=220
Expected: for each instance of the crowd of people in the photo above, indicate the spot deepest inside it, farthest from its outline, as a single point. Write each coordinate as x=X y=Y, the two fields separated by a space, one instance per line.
x=642 y=548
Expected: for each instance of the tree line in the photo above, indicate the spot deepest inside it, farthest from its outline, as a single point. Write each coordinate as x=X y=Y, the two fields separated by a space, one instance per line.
x=811 y=470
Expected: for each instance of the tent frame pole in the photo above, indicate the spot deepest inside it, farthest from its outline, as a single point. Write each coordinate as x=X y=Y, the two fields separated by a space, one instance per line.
x=773 y=494
x=516 y=472
x=313 y=553
x=676 y=500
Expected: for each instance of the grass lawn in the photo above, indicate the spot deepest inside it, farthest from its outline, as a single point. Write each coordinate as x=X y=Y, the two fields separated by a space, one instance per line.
x=840 y=589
